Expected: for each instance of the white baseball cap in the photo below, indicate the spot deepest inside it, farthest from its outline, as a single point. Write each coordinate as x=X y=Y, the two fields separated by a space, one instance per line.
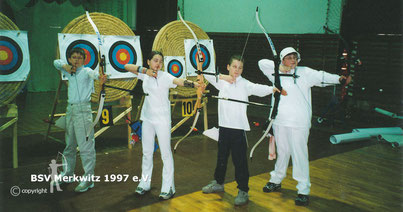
x=288 y=50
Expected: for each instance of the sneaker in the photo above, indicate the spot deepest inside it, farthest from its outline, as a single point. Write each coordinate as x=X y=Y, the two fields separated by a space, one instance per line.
x=270 y=187
x=165 y=195
x=84 y=186
x=213 y=187
x=302 y=200
x=140 y=190
x=242 y=198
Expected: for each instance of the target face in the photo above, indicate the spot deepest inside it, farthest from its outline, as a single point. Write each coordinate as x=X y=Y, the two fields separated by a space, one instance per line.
x=175 y=68
x=10 y=56
x=175 y=65
x=121 y=50
x=89 y=43
x=193 y=55
x=91 y=53
x=207 y=52
x=14 y=55
x=120 y=54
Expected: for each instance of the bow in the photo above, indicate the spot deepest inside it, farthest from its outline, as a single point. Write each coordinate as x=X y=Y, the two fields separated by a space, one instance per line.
x=101 y=68
x=350 y=63
x=277 y=84
x=200 y=79
x=64 y=161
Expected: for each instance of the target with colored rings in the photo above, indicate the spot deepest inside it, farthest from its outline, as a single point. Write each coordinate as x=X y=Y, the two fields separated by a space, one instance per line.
x=175 y=68
x=206 y=55
x=10 y=56
x=91 y=53
x=120 y=54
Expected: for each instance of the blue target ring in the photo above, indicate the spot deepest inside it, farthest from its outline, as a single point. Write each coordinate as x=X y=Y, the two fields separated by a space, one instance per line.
x=91 y=53
x=175 y=68
x=205 y=53
x=10 y=56
x=120 y=54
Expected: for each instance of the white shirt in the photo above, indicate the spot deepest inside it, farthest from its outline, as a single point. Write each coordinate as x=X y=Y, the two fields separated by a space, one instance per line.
x=295 y=109
x=157 y=107
x=233 y=114
x=81 y=84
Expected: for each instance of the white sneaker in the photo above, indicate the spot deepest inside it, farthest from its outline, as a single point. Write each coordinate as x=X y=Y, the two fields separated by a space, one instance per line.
x=165 y=196
x=140 y=190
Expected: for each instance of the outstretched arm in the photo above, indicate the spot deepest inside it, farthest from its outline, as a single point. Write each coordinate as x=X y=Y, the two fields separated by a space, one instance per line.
x=135 y=69
x=322 y=78
x=186 y=83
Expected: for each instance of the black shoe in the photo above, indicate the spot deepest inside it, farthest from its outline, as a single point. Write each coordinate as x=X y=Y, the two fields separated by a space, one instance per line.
x=270 y=187
x=302 y=200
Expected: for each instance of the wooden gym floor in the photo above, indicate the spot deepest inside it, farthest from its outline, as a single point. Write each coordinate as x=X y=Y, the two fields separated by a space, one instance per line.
x=359 y=176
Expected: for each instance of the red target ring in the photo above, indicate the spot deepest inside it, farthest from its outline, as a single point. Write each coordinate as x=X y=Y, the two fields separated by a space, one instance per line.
x=10 y=55
x=91 y=52
x=175 y=68
x=123 y=56
x=194 y=56
x=6 y=56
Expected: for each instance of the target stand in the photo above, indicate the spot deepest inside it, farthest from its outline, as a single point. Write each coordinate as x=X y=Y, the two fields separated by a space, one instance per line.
x=174 y=98
x=125 y=102
x=14 y=71
x=10 y=111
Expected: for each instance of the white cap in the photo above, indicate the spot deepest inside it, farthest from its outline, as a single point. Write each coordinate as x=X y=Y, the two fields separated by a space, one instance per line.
x=287 y=51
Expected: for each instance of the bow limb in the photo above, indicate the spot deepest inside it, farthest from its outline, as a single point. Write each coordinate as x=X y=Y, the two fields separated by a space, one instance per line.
x=200 y=80
x=261 y=139
x=266 y=34
x=277 y=84
x=64 y=161
x=101 y=70
x=190 y=131
x=200 y=55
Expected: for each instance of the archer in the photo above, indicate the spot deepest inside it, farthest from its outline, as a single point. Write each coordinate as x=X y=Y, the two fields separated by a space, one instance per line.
x=293 y=121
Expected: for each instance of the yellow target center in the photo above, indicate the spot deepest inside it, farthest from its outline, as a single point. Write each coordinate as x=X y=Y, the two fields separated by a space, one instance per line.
x=175 y=68
x=3 y=55
x=123 y=56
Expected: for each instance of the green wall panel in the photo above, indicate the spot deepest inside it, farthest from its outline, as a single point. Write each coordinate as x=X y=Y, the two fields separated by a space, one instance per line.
x=278 y=16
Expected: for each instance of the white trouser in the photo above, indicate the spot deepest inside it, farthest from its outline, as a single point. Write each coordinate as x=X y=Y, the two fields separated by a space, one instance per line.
x=163 y=132
x=78 y=120
x=292 y=142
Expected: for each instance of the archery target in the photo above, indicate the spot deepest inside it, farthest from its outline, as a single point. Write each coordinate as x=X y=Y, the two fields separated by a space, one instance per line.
x=121 y=53
x=91 y=53
x=89 y=43
x=14 y=55
x=207 y=50
x=122 y=50
x=175 y=65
